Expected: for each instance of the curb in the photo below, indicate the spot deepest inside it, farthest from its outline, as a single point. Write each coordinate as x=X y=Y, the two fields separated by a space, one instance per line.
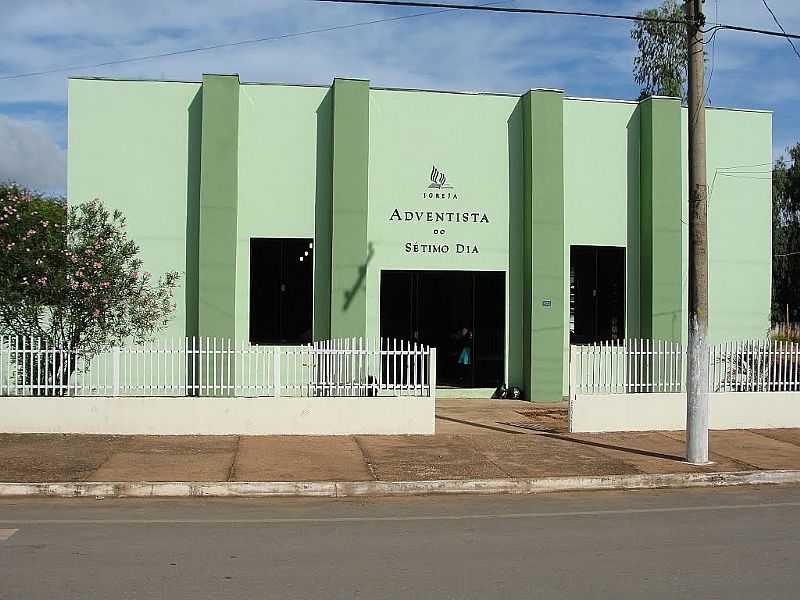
x=345 y=489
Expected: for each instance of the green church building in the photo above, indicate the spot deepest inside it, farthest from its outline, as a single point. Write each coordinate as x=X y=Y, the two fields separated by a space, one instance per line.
x=508 y=226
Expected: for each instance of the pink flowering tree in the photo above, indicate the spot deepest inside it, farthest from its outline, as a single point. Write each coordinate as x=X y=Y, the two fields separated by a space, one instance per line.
x=73 y=278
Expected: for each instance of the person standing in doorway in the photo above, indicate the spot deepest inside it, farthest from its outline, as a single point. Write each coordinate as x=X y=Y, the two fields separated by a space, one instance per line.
x=464 y=338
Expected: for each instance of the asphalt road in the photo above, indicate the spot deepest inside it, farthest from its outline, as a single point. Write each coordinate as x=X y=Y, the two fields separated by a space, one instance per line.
x=679 y=544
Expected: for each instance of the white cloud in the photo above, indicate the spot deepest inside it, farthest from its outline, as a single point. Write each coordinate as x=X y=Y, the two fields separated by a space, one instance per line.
x=29 y=156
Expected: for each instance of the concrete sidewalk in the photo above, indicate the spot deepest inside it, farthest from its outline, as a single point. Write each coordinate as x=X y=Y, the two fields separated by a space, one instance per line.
x=475 y=440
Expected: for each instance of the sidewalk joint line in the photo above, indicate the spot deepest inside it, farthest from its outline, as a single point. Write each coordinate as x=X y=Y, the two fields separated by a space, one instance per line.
x=486 y=456
x=761 y=433
x=232 y=468
x=367 y=461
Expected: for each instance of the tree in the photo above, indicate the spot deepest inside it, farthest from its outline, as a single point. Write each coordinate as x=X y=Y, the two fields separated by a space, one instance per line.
x=786 y=236
x=660 y=65
x=72 y=278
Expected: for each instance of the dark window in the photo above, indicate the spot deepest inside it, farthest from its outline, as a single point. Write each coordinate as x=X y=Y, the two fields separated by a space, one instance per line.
x=460 y=313
x=596 y=294
x=281 y=290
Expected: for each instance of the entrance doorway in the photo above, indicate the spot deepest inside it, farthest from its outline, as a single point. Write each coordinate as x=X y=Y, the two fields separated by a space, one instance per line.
x=460 y=313
x=596 y=294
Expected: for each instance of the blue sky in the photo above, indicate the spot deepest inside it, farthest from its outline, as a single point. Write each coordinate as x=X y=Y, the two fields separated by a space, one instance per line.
x=461 y=51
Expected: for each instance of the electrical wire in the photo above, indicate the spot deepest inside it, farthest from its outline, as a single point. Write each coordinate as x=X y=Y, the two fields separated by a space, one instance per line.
x=535 y=11
x=572 y=13
x=713 y=55
x=788 y=36
x=441 y=8
x=261 y=40
x=778 y=23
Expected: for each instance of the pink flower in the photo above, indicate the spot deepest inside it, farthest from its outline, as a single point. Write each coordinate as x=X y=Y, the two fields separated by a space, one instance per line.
x=96 y=312
x=97 y=264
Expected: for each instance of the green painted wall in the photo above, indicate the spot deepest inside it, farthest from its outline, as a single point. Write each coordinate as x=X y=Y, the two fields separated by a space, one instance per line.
x=350 y=252
x=323 y=221
x=218 y=206
x=662 y=317
x=543 y=215
x=283 y=177
x=476 y=141
x=135 y=145
x=740 y=223
x=601 y=192
x=333 y=163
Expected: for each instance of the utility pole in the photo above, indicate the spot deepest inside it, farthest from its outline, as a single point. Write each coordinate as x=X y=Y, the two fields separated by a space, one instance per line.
x=697 y=363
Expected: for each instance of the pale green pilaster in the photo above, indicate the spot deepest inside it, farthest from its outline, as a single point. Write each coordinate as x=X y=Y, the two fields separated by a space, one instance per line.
x=349 y=245
x=218 y=206
x=323 y=219
x=660 y=219
x=543 y=211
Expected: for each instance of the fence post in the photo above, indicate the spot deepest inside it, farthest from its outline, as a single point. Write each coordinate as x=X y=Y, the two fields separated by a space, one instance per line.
x=572 y=373
x=276 y=371
x=432 y=373
x=115 y=371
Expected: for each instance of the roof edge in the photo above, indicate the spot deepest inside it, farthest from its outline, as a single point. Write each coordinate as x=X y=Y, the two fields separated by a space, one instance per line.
x=410 y=89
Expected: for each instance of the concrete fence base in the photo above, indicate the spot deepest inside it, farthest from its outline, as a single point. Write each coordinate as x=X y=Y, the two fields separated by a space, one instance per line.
x=655 y=411
x=134 y=415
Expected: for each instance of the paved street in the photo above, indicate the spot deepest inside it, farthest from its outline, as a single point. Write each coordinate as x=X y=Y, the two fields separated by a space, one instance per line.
x=731 y=543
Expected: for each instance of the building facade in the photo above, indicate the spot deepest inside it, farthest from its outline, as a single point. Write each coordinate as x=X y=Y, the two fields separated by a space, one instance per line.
x=498 y=228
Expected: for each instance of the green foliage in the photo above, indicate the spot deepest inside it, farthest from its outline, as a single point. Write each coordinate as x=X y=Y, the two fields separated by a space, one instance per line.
x=786 y=236
x=785 y=338
x=72 y=276
x=660 y=65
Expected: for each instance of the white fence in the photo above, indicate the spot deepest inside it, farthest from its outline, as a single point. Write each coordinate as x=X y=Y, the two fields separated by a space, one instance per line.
x=636 y=366
x=219 y=367
x=789 y=331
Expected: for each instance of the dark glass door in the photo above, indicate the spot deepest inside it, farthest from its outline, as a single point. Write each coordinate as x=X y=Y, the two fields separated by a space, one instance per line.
x=281 y=290
x=460 y=313
x=597 y=294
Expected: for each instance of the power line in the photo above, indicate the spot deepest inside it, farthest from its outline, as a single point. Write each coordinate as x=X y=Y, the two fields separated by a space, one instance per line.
x=501 y=9
x=261 y=40
x=713 y=55
x=778 y=23
x=440 y=6
x=542 y=11
x=788 y=36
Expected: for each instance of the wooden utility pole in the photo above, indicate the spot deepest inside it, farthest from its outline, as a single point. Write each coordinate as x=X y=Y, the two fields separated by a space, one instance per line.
x=697 y=363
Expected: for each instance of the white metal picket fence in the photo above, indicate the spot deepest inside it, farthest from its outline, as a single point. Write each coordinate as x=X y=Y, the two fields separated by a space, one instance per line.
x=790 y=331
x=635 y=366
x=219 y=367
